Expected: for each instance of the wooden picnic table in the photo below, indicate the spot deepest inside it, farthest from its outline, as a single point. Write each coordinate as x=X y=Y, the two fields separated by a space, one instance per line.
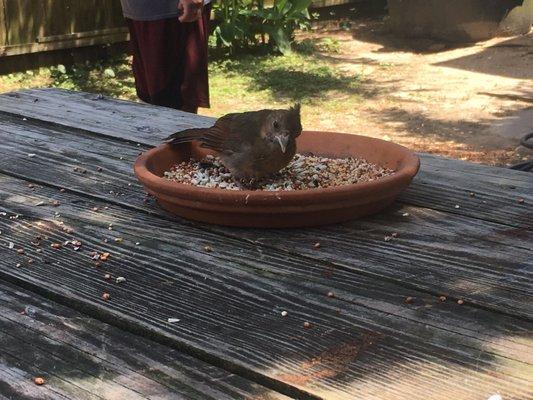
x=443 y=310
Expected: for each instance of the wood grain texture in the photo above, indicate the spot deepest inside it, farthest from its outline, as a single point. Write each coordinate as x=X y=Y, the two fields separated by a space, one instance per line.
x=444 y=254
x=441 y=184
x=364 y=342
x=80 y=357
x=24 y=19
x=3 y=27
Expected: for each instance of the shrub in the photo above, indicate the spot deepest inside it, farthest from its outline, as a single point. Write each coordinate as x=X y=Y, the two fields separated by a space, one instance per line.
x=244 y=23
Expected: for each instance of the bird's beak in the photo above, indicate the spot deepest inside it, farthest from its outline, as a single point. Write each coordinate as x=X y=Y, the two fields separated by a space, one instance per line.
x=283 y=141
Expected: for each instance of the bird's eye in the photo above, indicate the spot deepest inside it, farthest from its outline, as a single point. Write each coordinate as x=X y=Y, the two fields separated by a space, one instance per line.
x=275 y=124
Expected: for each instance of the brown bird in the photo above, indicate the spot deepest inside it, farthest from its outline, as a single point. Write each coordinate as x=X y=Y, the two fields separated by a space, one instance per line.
x=252 y=144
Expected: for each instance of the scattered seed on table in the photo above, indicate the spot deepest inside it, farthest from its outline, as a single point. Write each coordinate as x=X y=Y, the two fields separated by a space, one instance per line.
x=409 y=300
x=284 y=313
x=39 y=381
x=20 y=251
x=30 y=261
x=104 y=256
x=107 y=276
x=472 y=194
x=394 y=234
x=97 y=264
x=457 y=206
x=11 y=245
x=38 y=250
x=119 y=240
x=521 y=201
x=31 y=155
x=307 y=325
x=208 y=249
x=62 y=190
x=317 y=245
x=56 y=246
x=406 y=214
x=331 y=294
x=18 y=265
x=387 y=238
x=106 y=296
x=137 y=243
x=120 y=279
x=460 y=301
x=30 y=185
x=99 y=169
x=173 y=320
x=442 y=299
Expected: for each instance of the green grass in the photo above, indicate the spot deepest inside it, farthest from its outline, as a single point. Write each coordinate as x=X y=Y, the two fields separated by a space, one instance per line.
x=242 y=82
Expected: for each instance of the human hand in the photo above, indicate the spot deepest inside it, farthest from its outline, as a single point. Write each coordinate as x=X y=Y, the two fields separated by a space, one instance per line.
x=191 y=10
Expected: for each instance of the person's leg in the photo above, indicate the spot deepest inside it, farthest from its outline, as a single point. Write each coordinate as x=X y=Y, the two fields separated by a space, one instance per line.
x=170 y=62
x=195 y=83
x=156 y=65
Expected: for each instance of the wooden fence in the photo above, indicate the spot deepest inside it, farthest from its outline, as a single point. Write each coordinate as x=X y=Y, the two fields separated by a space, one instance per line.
x=29 y=26
x=32 y=26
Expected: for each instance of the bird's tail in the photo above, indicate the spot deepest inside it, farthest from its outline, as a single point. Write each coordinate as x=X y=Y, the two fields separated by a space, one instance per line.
x=185 y=136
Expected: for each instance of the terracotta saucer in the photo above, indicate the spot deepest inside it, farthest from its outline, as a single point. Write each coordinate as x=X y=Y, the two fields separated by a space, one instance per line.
x=282 y=209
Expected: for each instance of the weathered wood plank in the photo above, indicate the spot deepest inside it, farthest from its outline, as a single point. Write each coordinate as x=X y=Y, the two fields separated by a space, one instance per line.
x=441 y=184
x=230 y=307
x=24 y=20
x=69 y=349
x=440 y=253
x=3 y=27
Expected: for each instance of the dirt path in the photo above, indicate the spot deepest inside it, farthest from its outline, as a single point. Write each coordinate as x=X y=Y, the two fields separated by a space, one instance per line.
x=473 y=102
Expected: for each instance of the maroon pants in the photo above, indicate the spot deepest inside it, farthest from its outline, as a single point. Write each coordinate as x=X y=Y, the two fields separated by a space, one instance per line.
x=170 y=61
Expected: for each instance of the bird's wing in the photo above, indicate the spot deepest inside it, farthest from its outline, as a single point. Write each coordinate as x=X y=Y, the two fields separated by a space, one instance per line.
x=228 y=134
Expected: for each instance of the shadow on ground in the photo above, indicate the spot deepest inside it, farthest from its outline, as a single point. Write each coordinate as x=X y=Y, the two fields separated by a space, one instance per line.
x=495 y=60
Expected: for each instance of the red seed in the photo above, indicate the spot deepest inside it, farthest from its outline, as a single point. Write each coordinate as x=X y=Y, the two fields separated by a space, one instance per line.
x=106 y=296
x=39 y=381
x=442 y=299
x=307 y=325
x=104 y=256
x=409 y=300
x=56 y=246
x=62 y=190
x=521 y=201
x=460 y=301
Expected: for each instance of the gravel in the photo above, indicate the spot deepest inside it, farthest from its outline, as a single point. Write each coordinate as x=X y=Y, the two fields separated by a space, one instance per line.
x=304 y=172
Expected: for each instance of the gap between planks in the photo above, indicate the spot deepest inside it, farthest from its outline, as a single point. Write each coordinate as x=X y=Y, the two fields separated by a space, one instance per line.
x=327 y=264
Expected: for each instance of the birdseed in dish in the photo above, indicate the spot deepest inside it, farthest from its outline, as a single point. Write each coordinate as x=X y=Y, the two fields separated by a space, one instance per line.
x=303 y=172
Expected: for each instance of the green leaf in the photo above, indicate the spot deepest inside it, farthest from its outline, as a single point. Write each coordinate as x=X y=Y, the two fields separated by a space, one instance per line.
x=280 y=37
